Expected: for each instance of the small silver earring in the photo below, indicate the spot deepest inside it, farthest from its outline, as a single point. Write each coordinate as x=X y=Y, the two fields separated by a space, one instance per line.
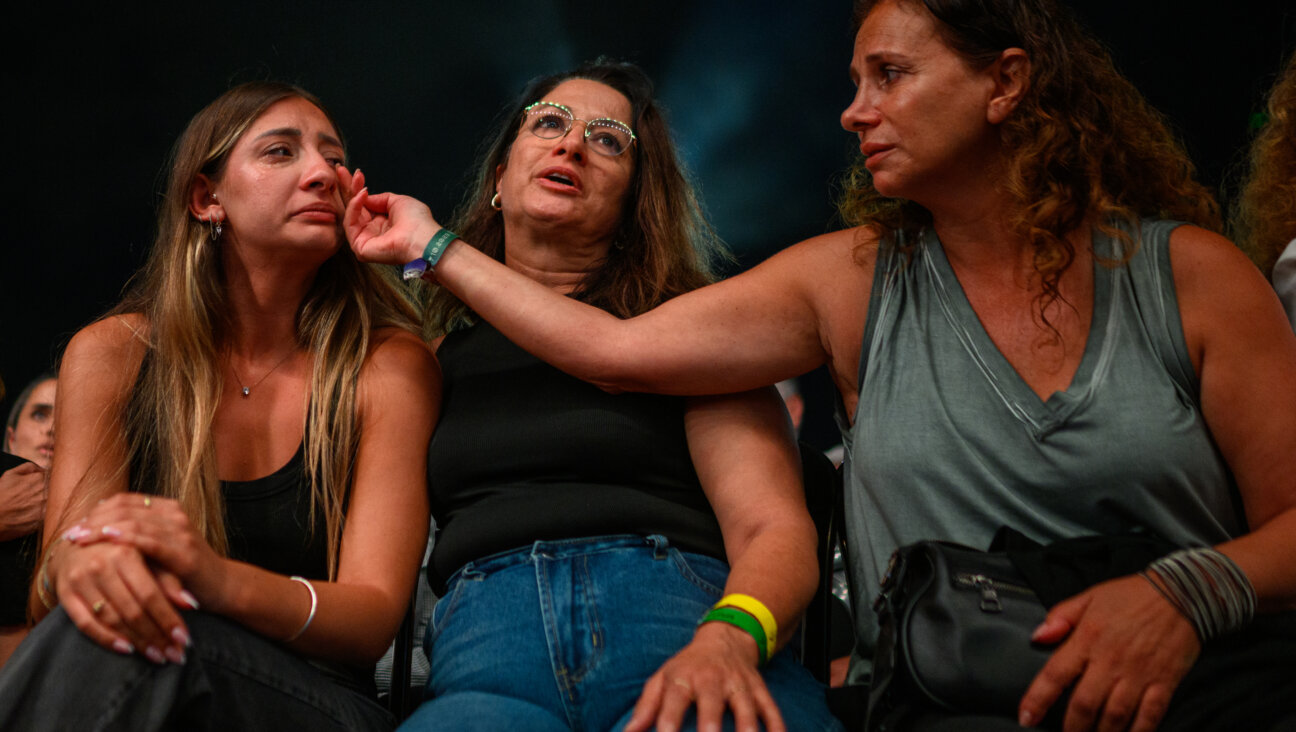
x=495 y=202
x=213 y=226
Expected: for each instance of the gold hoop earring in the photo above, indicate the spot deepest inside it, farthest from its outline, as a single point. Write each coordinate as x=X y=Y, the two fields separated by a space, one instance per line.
x=495 y=202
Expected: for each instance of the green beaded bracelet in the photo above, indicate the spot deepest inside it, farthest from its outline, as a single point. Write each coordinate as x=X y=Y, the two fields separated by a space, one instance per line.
x=436 y=246
x=743 y=622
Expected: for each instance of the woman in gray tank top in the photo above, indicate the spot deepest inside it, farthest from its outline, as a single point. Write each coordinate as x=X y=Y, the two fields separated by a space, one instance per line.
x=1015 y=336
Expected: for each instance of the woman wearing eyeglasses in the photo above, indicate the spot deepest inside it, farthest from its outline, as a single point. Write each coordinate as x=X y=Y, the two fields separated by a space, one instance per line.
x=582 y=536
x=1021 y=332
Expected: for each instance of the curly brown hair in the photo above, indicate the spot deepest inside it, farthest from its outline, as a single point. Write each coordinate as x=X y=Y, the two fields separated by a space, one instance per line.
x=1083 y=144
x=1264 y=219
x=664 y=246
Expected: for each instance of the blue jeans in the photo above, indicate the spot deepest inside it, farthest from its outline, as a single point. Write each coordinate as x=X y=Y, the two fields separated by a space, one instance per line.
x=234 y=679
x=562 y=635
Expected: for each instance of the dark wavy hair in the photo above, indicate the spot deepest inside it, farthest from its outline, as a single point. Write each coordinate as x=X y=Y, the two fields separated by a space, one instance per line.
x=664 y=245
x=1083 y=145
x=1264 y=220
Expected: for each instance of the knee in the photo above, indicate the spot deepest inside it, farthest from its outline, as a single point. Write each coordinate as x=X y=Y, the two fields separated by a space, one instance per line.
x=469 y=711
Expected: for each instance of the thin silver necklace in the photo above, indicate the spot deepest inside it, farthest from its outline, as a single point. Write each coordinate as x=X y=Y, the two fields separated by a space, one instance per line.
x=246 y=389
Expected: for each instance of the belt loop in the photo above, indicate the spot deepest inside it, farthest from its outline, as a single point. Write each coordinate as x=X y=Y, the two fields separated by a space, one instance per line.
x=660 y=545
x=538 y=552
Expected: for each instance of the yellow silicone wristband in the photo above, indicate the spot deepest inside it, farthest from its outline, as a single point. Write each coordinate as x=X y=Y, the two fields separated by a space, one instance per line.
x=756 y=609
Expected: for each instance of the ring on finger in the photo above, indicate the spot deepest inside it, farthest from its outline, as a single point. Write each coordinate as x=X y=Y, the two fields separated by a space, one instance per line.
x=683 y=684
x=97 y=607
x=147 y=501
x=737 y=690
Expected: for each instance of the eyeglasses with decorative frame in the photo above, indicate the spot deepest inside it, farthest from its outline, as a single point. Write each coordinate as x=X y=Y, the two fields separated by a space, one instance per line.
x=551 y=120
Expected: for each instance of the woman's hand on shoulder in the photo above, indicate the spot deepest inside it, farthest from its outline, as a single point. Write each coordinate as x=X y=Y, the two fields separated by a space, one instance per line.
x=384 y=227
x=714 y=673
x=1123 y=650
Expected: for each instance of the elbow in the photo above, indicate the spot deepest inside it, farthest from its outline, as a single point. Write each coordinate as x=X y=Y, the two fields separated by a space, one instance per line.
x=608 y=371
x=805 y=581
x=366 y=651
x=369 y=653
x=609 y=357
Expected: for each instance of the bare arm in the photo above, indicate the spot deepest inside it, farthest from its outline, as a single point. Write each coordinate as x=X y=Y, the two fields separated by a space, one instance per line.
x=744 y=454
x=803 y=307
x=1245 y=354
x=386 y=527
x=97 y=373
x=1126 y=648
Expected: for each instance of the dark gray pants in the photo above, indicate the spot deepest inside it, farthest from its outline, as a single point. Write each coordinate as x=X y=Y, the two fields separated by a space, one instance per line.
x=233 y=680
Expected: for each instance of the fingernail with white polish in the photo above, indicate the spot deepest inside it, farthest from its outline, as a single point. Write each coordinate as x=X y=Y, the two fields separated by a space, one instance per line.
x=154 y=655
x=76 y=532
x=189 y=599
x=1025 y=718
x=179 y=635
x=123 y=647
x=175 y=655
x=112 y=531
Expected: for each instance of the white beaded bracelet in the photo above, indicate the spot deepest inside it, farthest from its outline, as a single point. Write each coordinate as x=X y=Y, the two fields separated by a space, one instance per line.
x=309 y=616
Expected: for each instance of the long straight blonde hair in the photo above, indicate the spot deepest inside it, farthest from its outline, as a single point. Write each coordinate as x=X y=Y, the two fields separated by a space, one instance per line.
x=181 y=293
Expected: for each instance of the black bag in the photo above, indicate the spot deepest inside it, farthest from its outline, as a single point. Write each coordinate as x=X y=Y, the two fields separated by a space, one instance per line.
x=955 y=626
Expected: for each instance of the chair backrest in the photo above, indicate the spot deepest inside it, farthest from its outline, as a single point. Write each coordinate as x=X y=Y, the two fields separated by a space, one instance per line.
x=823 y=490
x=399 y=698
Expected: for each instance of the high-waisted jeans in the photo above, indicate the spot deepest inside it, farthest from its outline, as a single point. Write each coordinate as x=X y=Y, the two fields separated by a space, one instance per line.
x=562 y=635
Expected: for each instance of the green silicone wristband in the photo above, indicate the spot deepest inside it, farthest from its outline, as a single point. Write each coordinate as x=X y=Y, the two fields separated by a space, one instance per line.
x=743 y=622
x=436 y=246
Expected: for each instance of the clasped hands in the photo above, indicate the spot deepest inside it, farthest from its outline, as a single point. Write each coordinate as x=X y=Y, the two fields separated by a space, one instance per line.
x=124 y=571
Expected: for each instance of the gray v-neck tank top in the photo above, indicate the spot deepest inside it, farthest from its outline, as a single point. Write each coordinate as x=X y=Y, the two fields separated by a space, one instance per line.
x=950 y=443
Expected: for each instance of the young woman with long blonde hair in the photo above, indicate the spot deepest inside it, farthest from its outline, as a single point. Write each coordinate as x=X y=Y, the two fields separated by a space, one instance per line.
x=238 y=504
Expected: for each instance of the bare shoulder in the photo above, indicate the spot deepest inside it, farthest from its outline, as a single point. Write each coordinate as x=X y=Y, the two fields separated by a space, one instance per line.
x=1220 y=292
x=836 y=274
x=112 y=347
x=857 y=246
x=399 y=366
x=1198 y=253
x=390 y=347
x=832 y=270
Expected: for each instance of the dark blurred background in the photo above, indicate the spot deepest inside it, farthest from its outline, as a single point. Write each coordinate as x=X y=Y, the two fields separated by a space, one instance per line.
x=754 y=90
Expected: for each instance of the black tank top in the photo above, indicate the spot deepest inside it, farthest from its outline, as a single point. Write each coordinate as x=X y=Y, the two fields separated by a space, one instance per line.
x=525 y=453
x=267 y=522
